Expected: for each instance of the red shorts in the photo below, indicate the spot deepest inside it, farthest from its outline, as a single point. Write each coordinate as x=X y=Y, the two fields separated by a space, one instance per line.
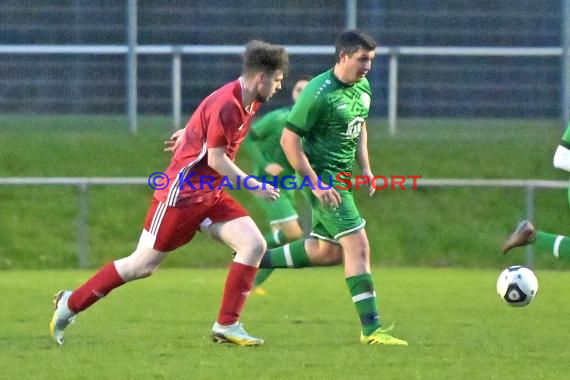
x=167 y=228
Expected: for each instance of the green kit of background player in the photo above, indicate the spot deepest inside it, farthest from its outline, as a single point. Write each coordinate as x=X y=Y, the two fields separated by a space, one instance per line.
x=262 y=144
x=324 y=134
x=525 y=233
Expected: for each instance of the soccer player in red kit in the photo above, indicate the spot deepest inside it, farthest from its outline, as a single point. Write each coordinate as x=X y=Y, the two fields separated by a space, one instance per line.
x=208 y=148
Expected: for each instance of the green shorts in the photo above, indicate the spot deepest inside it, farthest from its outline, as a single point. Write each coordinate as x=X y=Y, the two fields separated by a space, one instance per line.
x=281 y=210
x=332 y=224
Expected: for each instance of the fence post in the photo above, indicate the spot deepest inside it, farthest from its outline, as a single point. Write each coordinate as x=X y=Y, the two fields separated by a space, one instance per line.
x=351 y=7
x=393 y=92
x=82 y=227
x=176 y=88
x=132 y=65
x=529 y=216
x=565 y=63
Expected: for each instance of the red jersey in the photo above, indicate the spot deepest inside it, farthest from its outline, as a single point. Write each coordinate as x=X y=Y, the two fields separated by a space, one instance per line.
x=220 y=120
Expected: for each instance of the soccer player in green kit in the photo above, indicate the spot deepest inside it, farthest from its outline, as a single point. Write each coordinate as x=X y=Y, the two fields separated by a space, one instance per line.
x=525 y=233
x=325 y=132
x=262 y=144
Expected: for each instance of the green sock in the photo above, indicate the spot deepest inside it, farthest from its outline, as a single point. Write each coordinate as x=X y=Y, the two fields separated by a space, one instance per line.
x=275 y=238
x=261 y=276
x=292 y=255
x=361 y=289
x=558 y=245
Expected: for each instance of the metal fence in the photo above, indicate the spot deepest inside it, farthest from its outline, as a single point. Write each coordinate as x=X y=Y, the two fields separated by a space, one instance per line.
x=175 y=53
x=83 y=184
x=439 y=82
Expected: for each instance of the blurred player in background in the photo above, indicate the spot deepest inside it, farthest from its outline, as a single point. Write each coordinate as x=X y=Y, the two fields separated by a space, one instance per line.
x=263 y=145
x=208 y=146
x=525 y=233
x=325 y=131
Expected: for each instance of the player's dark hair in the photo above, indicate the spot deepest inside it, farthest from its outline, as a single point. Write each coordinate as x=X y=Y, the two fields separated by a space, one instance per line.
x=261 y=56
x=350 y=41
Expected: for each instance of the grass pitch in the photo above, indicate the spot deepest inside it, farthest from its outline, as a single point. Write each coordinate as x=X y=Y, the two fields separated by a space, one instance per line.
x=435 y=227
x=158 y=328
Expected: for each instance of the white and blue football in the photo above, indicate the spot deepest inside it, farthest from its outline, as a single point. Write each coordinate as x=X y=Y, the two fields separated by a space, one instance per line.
x=517 y=286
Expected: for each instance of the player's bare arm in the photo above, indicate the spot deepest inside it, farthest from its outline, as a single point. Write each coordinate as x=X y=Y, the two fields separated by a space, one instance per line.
x=220 y=162
x=363 y=160
x=293 y=148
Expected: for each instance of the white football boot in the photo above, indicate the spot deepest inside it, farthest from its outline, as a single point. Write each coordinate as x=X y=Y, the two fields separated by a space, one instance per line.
x=234 y=334
x=62 y=316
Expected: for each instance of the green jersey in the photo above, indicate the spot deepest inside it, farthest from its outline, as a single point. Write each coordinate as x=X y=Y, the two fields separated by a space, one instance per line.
x=566 y=138
x=329 y=115
x=263 y=142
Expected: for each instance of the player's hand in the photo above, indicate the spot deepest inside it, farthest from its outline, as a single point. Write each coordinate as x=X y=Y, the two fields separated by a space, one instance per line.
x=370 y=176
x=264 y=191
x=174 y=142
x=328 y=197
x=273 y=169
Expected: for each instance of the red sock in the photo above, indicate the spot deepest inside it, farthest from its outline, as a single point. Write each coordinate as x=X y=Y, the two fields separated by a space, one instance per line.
x=238 y=285
x=95 y=288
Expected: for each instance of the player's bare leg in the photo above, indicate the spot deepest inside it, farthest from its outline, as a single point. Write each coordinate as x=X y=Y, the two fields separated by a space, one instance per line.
x=284 y=232
x=141 y=263
x=244 y=237
x=361 y=286
x=323 y=253
x=292 y=229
